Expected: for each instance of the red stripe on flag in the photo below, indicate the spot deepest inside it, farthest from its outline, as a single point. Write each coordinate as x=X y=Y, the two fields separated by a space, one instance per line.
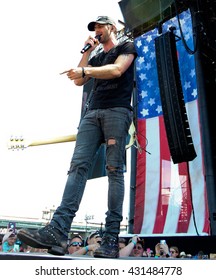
x=206 y=226
x=186 y=207
x=140 y=178
x=163 y=199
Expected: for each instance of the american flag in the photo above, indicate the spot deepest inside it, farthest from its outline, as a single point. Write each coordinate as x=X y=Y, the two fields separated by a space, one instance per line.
x=165 y=203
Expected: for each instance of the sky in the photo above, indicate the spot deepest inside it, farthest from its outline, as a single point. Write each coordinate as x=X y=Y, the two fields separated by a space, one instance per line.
x=39 y=40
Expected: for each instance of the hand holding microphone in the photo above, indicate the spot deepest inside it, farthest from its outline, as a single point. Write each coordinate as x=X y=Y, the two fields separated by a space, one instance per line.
x=84 y=49
x=88 y=46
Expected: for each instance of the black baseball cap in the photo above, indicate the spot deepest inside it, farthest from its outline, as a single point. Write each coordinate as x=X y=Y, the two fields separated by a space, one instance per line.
x=100 y=20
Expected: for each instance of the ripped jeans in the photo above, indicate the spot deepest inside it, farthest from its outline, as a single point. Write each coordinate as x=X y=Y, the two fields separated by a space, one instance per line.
x=109 y=126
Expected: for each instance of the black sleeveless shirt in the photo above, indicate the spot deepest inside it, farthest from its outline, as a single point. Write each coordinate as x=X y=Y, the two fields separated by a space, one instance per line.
x=113 y=92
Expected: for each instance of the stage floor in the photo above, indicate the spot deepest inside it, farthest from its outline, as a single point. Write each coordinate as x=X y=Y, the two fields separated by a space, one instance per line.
x=44 y=256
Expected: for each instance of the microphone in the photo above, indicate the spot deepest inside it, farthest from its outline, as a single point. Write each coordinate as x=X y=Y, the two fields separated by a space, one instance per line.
x=88 y=46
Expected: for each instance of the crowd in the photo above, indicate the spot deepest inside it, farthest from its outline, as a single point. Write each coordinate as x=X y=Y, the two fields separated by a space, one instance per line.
x=77 y=246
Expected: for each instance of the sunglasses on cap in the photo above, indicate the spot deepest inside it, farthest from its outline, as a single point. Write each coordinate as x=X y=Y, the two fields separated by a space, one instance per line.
x=75 y=244
x=95 y=234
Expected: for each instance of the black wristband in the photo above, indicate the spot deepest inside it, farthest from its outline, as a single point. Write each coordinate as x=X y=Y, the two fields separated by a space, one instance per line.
x=83 y=72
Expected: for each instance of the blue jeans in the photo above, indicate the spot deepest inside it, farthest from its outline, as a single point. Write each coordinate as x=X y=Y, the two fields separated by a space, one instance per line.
x=109 y=126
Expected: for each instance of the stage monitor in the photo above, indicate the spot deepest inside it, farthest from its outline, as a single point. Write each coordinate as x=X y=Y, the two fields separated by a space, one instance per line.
x=143 y=15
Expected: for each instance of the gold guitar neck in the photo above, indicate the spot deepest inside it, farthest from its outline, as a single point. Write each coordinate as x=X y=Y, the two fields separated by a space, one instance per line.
x=56 y=140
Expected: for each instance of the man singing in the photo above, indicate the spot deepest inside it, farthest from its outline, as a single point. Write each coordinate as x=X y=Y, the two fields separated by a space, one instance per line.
x=107 y=120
